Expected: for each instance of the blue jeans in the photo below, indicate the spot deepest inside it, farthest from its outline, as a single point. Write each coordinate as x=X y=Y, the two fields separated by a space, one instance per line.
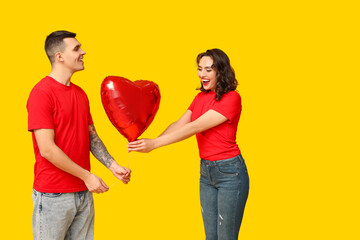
x=62 y=216
x=224 y=188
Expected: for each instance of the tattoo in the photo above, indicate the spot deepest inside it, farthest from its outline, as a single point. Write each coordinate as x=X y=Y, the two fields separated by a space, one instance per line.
x=98 y=148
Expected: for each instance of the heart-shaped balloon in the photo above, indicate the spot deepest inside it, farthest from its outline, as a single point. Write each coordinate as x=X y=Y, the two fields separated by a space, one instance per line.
x=130 y=106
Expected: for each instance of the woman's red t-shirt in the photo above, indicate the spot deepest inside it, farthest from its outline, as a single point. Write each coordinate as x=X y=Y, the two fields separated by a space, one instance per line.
x=219 y=142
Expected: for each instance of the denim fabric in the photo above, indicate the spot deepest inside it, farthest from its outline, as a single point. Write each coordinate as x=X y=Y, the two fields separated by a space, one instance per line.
x=224 y=188
x=62 y=216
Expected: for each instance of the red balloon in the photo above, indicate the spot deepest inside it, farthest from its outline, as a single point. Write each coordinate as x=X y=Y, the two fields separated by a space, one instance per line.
x=130 y=106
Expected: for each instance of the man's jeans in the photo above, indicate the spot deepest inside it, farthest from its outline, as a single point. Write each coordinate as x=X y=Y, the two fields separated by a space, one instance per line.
x=224 y=188
x=63 y=216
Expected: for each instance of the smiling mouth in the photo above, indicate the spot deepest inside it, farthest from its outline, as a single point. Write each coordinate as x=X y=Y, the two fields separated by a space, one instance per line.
x=205 y=82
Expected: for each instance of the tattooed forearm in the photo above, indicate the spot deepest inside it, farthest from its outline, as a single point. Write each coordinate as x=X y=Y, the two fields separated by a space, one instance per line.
x=98 y=148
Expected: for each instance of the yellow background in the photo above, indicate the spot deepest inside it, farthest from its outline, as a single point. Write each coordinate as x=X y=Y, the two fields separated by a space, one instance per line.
x=297 y=63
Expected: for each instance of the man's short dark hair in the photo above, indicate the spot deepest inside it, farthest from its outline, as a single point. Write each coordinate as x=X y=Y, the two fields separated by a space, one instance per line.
x=54 y=43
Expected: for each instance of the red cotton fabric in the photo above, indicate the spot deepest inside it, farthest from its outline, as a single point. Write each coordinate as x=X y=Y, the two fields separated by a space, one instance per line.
x=52 y=105
x=219 y=142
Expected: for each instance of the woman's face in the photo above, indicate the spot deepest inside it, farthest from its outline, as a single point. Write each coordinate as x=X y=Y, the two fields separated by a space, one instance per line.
x=206 y=73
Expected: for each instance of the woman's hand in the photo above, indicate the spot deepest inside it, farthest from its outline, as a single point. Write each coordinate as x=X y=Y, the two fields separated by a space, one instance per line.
x=143 y=145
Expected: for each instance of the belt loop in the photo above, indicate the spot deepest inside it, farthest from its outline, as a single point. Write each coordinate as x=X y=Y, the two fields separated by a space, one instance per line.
x=242 y=161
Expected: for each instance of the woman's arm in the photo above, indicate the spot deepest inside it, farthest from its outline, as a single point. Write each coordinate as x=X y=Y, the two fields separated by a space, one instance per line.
x=184 y=119
x=206 y=121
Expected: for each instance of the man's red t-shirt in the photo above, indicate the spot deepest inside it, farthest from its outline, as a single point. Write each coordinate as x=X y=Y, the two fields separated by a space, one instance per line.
x=219 y=142
x=52 y=105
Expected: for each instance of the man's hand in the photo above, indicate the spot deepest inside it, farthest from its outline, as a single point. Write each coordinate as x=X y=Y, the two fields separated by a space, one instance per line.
x=122 y=173
x=95 y=184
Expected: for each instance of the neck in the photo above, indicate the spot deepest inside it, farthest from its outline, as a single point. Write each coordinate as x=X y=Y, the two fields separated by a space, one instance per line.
x=63 y=76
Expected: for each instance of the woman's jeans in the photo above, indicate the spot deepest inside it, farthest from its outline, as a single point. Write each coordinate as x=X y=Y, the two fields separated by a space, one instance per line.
x=224 y=188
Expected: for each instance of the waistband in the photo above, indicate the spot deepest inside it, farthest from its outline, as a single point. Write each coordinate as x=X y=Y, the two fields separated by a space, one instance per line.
x=224 y=161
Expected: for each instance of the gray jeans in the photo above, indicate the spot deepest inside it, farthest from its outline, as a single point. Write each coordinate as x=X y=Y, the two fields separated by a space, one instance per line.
x=59 y=216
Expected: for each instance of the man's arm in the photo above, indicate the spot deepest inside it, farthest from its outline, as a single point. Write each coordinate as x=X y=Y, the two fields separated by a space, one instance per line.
x=98 y=148
x=100 y=152
x=45 y=139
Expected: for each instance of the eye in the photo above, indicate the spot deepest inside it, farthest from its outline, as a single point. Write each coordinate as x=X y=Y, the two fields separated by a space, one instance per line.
x=76 y=48
x=209 y=70
x=199 y=69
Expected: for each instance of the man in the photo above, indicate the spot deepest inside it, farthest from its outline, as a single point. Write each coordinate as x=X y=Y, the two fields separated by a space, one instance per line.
x=63 y=135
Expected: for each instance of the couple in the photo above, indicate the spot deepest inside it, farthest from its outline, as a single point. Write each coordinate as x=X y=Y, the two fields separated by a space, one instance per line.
x=64 y=134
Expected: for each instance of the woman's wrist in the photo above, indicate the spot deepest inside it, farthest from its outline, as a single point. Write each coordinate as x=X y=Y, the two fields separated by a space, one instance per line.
x=156 y=142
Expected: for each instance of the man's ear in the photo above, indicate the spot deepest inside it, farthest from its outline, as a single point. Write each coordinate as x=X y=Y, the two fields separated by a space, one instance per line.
x=58 y=57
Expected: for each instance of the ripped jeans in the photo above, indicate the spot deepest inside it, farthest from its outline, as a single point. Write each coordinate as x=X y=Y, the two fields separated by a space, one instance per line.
x=224 y=188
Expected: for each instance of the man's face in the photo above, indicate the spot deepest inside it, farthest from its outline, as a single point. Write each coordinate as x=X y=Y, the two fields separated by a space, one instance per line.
x=72 y=55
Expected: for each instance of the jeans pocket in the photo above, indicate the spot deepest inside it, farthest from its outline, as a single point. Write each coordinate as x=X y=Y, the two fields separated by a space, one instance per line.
x=228 y=170
x=203 y=170
x=51 y=195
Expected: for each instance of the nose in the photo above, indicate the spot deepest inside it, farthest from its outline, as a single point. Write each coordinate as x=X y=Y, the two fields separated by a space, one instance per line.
x=202 y=73
x=83 y=52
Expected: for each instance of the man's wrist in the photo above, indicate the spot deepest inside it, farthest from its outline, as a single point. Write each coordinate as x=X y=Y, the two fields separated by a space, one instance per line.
x=113 y=165
x=85 y=175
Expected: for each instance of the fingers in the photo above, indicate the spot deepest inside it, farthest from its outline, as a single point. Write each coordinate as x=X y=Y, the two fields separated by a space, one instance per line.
x=138 y=145
x=101 y=188
x=135 y=149
x=96 y=184
x=125 y=180
x=125 y=170
x=124 y=176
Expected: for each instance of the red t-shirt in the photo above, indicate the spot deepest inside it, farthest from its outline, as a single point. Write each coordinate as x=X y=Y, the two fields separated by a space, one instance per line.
x=219 y=142
x=52 y=105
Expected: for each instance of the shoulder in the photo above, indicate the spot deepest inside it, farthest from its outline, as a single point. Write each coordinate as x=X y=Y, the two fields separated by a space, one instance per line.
x=203 y=95
x=198 y=96
x=41 y=88
x=232 y=96
x=79 y=91
x=78 y=88
x=43 y=84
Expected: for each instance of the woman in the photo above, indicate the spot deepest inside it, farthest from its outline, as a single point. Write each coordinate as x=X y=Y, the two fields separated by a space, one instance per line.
x=213 y=116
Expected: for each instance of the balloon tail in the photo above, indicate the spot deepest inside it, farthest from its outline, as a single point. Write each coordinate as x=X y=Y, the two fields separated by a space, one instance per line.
x=114 y=183
x=127 y=167
x=129 y=160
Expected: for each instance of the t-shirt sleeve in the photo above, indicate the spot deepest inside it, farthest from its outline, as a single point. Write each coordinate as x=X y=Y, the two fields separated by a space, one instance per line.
x=90 y=117
x=40 y=111
x=191 y=107
x=229 y=105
